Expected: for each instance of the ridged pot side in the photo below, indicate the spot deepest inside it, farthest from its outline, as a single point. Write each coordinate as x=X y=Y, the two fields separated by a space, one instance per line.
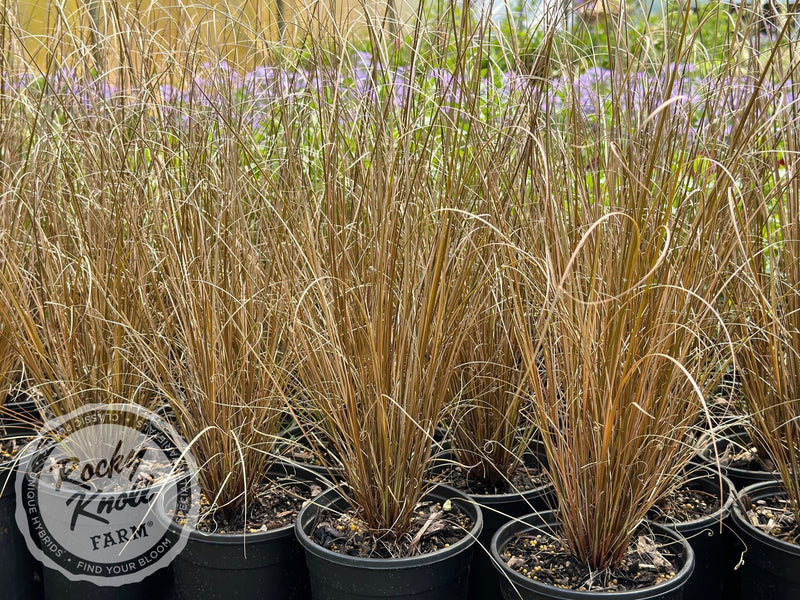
x=20 y=573
x=771 y=567
x=439 y=575
x=217 y=566
x=710 y=539
x=484 y=582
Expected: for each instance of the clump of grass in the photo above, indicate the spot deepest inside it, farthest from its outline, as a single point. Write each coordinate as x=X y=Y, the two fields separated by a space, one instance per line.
x=766 y=293
x=220 y=354
x=389 y=256
x=143 y=261
x=619 y=286
x=377 y=348
x=489 y=422
x=70 y=288
x=76 y=203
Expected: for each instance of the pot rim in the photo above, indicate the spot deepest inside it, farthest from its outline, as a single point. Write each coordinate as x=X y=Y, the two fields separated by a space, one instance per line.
x=548 y=519
x=732 y=436
x=334 y=495
x=728 y=491
x=20 y=401
x=756 y=491
x=14 y=432
x=47 y=488
x=239 y=538
x=20 y=418
x=490 y=499
x=233 y=539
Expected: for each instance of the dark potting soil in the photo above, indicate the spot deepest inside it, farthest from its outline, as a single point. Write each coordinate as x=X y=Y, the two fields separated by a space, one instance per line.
x=434 y=526
x=147 y=472
x=546 y=559
x=683 y=505
x=275 y=504
x=527 y=476
x=774 y=516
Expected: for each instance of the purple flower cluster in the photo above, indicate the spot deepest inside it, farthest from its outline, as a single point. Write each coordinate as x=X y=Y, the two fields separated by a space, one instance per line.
x=694 y=99
x=220 y=89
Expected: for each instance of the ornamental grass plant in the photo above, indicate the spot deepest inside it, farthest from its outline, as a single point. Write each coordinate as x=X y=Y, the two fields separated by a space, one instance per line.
x=377 y=348
x=215 y=339
x=133 y=270
x=489 y=424
x=621 y=269
x=765 y=293
x=70 y=285
x=391 y=247
x=77 y=194
x=221 y=353
x=444 y=226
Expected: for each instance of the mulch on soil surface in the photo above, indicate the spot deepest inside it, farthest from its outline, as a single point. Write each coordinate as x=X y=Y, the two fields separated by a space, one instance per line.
x=434 y=526
x=546 y=559
x=733 y=455
x=685 y=504
x=774 y=516
x=526 y=477
x=275 y=504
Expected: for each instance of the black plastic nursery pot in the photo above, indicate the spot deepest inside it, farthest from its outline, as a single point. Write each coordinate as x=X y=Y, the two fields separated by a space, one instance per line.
x=20 y=573
x=57 y=586
x=21 y=415
x=737 y=438
x=497 y=509
x=516 y=586
x=155 y=587
x=268 y=564
x=440 y=575
x=771 y=568
x=710 y=540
